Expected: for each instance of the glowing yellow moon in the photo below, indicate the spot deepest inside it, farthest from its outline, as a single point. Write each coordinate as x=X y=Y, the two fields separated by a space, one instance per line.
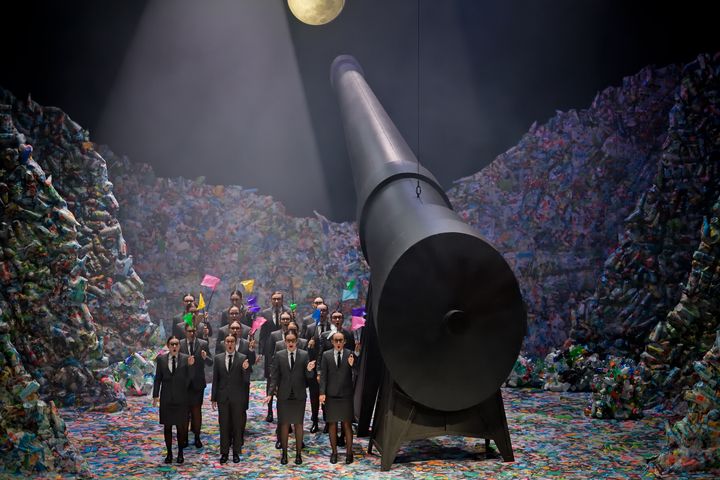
x=316 y=12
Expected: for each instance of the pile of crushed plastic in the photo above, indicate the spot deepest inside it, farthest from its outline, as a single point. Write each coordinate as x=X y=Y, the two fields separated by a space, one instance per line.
x=553 y=205
x=182 y=229
x=694 y=441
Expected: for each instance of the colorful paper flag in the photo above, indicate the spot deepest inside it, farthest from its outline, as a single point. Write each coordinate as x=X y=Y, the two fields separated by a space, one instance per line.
x=252 y=301
x=358 y=312
x=187 y=318
x=209 y=281
x=201 y=302
x=253 y=309
x=248 y=285
x=349 y=295
x=350 y=285
x=293 y=306
x=257 y=323
x=316 y=315
x=357 y=322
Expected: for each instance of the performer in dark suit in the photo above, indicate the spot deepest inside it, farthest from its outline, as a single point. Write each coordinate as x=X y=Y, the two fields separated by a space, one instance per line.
x=172 y=378
x=316 y=335
x=224 y=331
x=280 y=345
x=244 y=317
x=337 y=319
x=230 y=390
x=292 y=327
x=336 y=393
x=199 y=319
x=279 y=335
x=272 y=315
x=291 y=370
x=308 y=319
x=199 y=349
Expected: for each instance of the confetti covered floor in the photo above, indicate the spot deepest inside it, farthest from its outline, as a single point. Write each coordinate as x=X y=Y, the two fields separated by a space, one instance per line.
x=551 y=439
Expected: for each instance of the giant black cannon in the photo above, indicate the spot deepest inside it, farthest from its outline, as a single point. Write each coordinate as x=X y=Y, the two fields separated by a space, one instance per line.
x=445 y=318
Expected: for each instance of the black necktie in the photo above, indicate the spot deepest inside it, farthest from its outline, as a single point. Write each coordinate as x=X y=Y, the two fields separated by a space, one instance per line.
x=173 y=364
x=230 y=363
x=292 y=360
x=338 y=359
x=191 y=348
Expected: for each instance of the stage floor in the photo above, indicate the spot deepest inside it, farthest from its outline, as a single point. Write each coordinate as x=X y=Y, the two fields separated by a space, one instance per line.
x=550 y=435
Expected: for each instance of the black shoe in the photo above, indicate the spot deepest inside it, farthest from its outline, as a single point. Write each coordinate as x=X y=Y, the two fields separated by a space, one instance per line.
x=298 y=459
x=283 y=458
x=223 y=458
x=341 y=441
x=236 y=457
x=333 y=458
x=269 y=417
x=198 y=443
x=349 y=458
x=278 y=445
x=168 y=458
x=314 y=427
x=325 y=430
x=180 y=458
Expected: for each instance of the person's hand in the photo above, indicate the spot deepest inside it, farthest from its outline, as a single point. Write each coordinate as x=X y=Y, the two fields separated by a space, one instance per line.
x=207 y=331
x=310 y=366
x=267 y=399
x=258 y=359
x=191 y=360
x=203 y=354
x=322 y=399
x=214 y=405
x=252 y=344
x=246 y=364
x=351 y=359
x=156 y=401
x=311 y=343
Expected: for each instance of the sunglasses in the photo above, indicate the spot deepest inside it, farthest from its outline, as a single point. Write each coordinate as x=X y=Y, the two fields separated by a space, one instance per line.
x=337 y=317
x=173 y=344
x=338 y=340
x=235 y=328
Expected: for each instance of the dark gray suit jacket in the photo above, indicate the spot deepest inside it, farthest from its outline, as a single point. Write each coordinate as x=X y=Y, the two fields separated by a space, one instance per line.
x=172 y=387
x=224 y=332
x=232 y=386
x=336 y=381
x=198 y=378
x=283 y=380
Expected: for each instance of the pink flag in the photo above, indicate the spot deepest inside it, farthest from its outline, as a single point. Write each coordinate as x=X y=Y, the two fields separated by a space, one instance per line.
x=357 y=322
x=210 y=282
x=257 y=323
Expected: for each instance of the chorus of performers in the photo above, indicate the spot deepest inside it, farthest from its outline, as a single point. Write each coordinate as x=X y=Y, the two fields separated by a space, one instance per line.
x=315 y=356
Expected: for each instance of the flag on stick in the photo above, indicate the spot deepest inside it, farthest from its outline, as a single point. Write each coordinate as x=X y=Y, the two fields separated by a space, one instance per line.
x=257 y=323
x=248 y=285
x=210 y=282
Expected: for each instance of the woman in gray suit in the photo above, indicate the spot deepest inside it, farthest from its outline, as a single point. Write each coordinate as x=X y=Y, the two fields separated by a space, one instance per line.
x=173 y=374
x=290 y=372
x=336 y=392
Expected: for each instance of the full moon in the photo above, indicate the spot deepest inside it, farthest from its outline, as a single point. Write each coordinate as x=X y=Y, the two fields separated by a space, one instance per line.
x=316 y=12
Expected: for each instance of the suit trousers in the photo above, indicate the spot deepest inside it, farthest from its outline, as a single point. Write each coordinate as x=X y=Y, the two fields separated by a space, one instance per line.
x=232 y=418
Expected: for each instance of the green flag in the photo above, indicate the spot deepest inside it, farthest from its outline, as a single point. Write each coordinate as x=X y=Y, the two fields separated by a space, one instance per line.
x=187 y=318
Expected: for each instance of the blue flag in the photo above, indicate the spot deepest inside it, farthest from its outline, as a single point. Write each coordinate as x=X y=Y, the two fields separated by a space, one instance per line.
x=316 y=316
x=349 y=294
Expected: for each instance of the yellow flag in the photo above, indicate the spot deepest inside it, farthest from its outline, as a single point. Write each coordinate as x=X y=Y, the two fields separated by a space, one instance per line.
x=201 y=303
x=248 y=285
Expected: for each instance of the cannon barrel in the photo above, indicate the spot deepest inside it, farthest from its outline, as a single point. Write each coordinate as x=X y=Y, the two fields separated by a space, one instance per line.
x=447 y=309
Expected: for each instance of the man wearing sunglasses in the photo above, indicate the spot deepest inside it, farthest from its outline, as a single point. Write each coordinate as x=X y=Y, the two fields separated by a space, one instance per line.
x=308 y=319
x=230 y=391
x=199 y=349
x=235 y=315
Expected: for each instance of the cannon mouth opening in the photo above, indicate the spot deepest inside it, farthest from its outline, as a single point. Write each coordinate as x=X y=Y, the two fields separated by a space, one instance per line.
x=456 y=322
